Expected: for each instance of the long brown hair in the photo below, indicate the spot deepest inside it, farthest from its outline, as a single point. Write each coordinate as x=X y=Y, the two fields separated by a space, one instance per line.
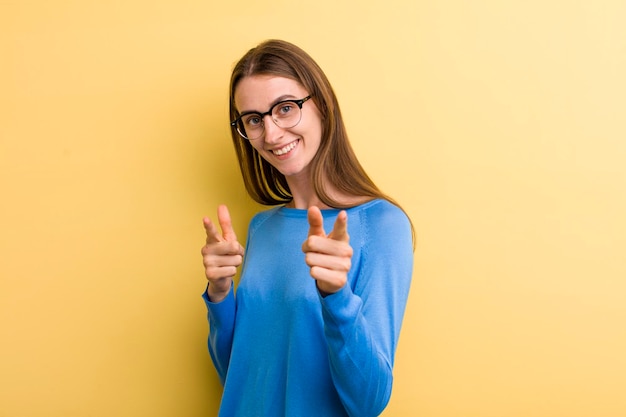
x=334 y=164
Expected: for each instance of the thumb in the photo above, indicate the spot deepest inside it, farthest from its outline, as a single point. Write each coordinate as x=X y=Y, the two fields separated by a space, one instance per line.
x=316 y=222
x=340 y=229
x=227 y=227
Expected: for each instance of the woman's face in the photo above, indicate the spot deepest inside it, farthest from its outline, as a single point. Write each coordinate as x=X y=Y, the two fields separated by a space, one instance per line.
x=289 y=150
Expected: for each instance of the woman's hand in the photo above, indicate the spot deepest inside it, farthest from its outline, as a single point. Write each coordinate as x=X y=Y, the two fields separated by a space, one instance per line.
x=221 y=255
x=328 y=256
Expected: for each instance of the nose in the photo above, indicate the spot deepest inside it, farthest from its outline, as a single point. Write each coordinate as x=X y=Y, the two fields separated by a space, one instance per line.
x=272 y=132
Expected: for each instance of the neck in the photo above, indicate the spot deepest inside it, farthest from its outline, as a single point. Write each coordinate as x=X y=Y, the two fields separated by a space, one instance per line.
x=304 y=196
x=303 y=193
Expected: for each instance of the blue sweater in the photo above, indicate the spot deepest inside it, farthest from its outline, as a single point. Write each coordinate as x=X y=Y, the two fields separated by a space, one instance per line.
x=281 y=349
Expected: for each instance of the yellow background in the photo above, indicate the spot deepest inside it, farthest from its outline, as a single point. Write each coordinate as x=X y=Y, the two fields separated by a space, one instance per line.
x=499 y=125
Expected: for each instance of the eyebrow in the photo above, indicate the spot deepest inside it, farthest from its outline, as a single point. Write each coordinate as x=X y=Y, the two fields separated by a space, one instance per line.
x=276 y=100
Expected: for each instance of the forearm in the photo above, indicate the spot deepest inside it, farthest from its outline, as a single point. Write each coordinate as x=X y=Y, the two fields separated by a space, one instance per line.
x=360 y=365
x=221 y=317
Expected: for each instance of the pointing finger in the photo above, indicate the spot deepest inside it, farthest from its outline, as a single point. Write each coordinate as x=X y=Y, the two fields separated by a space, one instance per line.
x=227 y=227
x=340 y=229
x=316 y=222
x=212 y=234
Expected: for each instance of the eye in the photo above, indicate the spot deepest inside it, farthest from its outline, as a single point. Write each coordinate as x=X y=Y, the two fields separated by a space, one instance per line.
x=252 y=120
x=284 y=109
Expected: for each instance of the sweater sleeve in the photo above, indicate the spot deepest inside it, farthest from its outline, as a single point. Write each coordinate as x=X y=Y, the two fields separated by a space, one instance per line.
x=362 y=321
x=221 y=318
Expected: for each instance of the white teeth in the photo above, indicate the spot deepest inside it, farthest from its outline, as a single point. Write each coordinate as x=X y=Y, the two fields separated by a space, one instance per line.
x=286 y=149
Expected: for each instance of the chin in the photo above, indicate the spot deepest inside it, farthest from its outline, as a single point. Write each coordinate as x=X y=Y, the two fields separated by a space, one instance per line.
x=291 y=172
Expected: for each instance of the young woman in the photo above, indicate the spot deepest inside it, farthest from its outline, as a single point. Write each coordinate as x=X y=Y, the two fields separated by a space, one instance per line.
x=313 y=326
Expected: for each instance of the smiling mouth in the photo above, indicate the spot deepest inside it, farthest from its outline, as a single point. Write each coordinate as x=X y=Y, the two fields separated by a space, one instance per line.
x=285 y=149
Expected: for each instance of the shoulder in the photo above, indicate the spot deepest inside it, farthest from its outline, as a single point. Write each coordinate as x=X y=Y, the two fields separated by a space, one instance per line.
x=381 y=213
x=378 y=220
x=263 y=215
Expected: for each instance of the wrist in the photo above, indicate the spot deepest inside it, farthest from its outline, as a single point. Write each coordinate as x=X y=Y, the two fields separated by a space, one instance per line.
x=217 y=293
x=324 y=289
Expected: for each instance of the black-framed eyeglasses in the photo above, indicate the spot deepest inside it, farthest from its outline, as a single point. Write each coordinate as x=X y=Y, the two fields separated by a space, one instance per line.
x=285 y=114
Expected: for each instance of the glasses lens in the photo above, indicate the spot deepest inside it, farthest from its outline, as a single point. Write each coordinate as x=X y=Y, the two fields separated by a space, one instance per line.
x=250 y=126
x=286 y=114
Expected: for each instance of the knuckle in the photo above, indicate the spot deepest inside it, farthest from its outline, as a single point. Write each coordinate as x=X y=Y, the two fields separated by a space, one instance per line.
x=210 y=273
x=214 y=273
x=339 y=279
x=234 y=247
x=315 y=272
x=208 y=259
x=208 y=249
x=347 y=264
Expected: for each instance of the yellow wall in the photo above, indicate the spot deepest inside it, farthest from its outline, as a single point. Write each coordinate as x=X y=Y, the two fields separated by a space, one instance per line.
x=499 y=125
